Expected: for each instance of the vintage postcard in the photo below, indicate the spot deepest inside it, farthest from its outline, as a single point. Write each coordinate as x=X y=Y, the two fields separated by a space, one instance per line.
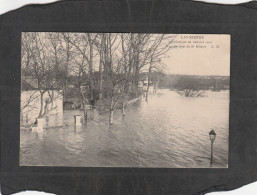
x=124 y=100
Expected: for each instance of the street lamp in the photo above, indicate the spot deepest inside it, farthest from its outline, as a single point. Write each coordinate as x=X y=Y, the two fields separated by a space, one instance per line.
x=212 y=135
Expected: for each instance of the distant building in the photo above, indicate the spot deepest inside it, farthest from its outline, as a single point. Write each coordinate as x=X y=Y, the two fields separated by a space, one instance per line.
x=145 y=86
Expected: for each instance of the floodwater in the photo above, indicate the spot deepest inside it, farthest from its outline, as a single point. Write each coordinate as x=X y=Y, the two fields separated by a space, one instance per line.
x=168 y=131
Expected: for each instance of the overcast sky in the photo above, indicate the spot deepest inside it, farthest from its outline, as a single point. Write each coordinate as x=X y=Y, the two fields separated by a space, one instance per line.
x=212 y=60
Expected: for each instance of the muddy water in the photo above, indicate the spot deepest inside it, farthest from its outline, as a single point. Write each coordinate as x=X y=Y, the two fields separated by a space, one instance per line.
x=167 y=131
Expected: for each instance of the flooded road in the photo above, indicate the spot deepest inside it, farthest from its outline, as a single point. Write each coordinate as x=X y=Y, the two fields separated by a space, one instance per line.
x=168 y=131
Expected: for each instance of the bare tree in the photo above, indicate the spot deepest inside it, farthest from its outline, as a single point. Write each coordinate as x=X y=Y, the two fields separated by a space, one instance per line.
x=115 y=80
x=28 y=103
x=37 y=66
x=41 y=63
x=56 y=59
x=154 y=50
x=67 y=49
x=85 y=46
x=188 y=86
x=79 y=76
x=26 y=59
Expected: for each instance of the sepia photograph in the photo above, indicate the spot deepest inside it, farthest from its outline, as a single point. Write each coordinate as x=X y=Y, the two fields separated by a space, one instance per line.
x=124 y=100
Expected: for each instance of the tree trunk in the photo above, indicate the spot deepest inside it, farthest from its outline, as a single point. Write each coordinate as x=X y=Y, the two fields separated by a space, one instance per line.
x=110 y=52
x=111 y=113
x=51 y=96
x=105 y=57
x=123 y=109
x=52 y=100
x=148 y=81
x=146 y=96
x=83 y=99
x=101 y=68
x=41 y=104
x=46 y=108
x=100 y=80
x=68 y=53
x=65 y=88
x=91 y=66
x=85 y=111
x=111 y=117
x=136 y=73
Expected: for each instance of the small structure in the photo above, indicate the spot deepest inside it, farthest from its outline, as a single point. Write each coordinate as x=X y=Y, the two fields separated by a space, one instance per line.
x=78 y=120
x=151 y=86
x=38 y=126
x=35 y=101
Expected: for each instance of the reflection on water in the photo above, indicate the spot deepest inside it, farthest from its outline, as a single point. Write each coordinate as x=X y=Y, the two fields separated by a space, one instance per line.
x=167 y=131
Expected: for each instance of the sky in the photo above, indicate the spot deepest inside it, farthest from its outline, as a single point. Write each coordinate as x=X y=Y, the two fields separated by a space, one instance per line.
x=193 y=54
x=202 y=55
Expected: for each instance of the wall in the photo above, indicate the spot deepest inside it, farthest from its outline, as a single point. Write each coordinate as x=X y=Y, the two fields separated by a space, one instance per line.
x=30 y=104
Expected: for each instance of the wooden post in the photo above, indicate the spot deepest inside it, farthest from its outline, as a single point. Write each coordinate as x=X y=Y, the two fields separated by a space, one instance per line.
x=85 y=113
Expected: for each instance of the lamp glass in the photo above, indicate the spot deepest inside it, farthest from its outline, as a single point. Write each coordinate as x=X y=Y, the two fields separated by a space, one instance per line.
x=212 y=137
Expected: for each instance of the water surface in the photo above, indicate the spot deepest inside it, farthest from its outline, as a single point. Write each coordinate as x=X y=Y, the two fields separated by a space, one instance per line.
x=168 y=131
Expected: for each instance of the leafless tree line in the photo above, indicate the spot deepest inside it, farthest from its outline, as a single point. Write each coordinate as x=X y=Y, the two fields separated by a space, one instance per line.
x=104 y=67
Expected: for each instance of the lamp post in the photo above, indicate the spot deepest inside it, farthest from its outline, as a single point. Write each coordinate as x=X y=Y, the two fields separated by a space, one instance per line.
x=212 y=135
